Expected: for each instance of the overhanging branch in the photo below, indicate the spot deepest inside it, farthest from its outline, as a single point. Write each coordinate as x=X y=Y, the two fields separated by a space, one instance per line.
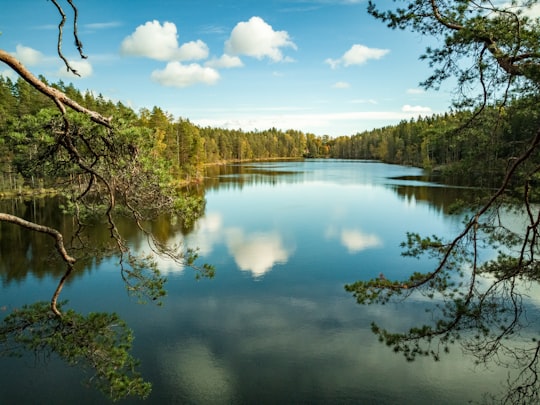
x=57 y=96
x=56 y=235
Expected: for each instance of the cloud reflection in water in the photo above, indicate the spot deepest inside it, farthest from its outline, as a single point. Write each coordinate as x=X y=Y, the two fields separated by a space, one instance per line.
x=257 y=252
x=197 y=374
x=356 y=241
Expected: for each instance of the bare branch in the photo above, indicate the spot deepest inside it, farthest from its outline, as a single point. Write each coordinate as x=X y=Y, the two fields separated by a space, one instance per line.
x=54 y=299
x=59 y=42
x=56 y=95
x=441 y=19
x=59 y=239
x=507 y=62
x=78 y=43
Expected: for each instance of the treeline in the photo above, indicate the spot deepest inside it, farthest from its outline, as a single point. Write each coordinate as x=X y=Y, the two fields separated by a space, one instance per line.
x=176 y=145
x=479 y=146
x=450 y=143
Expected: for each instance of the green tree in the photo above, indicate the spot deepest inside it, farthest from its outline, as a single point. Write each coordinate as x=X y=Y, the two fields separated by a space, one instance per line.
x=107 y=168
x=189 y=148
x=496 y=49
x=99 y=342
x=29 y=100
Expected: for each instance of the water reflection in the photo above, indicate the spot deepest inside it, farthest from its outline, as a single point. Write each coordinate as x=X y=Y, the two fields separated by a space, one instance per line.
x=253 y=252
x=35 y=252
x=356 y=241
x=208 y=231
x=38 y=260
x=439 y=198
x=192 y=371
x=236 y=176
x=275 y=325
x=269 y=348
x=257 y=252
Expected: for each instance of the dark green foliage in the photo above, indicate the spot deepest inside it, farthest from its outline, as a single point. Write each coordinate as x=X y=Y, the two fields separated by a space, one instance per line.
x=190 y=208
x=446 y=144
x=98 y=342
x=143 y=278
x=103 y=173
x=177 y=151
x=172 y=151
x=206 y=270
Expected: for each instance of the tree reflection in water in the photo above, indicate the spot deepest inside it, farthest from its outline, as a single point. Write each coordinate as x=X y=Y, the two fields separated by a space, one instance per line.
x=98 y=341
x=483 y=306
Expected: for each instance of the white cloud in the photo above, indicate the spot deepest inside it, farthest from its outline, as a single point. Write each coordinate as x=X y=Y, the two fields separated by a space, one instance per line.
x=360 y=54
x=357 y=55
x=194 y=50
x=152 y=40
x=303 y=122
x=226 y=61
x=341 y=85
x=213 y=29
x=415 y=91
x=83 y=68
x=258 y=39
x=533 y=11
x=101 y=26
x=334 y=63
x=31 y=57
x=415 y=109
x=28 y=56
x=176 y=74
x=160 y=42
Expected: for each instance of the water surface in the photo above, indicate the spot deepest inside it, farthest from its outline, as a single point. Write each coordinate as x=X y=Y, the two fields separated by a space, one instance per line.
x=275 y=325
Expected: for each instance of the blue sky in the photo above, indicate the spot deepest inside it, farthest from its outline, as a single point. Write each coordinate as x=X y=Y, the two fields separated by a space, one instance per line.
x=319 y=66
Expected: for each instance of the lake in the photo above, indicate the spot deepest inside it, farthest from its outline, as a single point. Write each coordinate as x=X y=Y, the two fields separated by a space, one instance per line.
x=275 y=325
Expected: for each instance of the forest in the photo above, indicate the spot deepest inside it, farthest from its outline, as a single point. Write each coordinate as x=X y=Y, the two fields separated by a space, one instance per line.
x=176 y=146
x=111 y=162
x=447 y=144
